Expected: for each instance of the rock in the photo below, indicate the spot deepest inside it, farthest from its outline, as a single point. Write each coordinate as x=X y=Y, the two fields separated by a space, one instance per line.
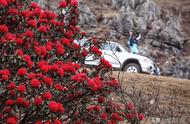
x=87 y=18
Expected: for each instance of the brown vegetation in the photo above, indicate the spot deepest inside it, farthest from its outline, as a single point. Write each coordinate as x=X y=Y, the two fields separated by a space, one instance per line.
x=162 y=99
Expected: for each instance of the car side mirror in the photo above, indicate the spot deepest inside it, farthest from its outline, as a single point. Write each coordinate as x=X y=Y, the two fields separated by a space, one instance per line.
x=118 y=49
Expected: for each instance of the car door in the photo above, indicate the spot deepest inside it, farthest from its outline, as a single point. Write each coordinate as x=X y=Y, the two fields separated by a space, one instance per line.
x=112 y=53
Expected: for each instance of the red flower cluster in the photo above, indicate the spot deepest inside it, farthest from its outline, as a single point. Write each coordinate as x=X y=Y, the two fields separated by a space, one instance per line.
x=21 y=88
x=94 y=107
x=104 y=64
x=95 y=50
x=74 y=2
x=3 y=3
x=55 y=107
x=11 y=120
x=32 y=23
x=38 y=101
x=42 y=29
x=21 y=71
x=4 y=74
x=95 y=84
x=80 y=77
x=35 y=83
x=62 y=4
x=3 y=29
x=47 y=95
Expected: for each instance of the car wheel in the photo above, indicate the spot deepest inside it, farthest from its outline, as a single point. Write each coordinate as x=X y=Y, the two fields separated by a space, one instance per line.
x=132 y=67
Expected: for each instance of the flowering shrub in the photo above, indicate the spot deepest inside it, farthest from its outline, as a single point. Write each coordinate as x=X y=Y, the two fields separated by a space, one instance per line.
x=42 y=78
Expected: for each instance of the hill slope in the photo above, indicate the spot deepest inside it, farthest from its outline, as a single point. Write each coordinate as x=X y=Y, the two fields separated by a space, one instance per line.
x=159 y=97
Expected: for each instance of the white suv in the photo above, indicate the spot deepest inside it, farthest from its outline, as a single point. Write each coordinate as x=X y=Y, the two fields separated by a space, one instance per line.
x=121 y=59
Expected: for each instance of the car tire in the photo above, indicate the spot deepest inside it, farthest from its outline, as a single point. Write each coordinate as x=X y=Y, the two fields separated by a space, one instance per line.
x=133 y=68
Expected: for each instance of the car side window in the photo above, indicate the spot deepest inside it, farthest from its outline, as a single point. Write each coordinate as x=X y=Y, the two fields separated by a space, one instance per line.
x=107 y=46
x=110 y=47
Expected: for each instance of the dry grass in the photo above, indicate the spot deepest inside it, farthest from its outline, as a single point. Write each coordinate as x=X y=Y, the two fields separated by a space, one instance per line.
x=161 y=97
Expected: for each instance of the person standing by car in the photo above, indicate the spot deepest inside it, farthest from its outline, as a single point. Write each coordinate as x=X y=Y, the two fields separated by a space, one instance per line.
x=133 y=42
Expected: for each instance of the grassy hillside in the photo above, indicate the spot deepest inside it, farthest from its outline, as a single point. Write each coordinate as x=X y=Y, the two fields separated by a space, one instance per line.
x=159 y=97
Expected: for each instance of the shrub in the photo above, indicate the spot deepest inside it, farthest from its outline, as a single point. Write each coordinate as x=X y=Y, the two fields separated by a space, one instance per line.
x=42 y=77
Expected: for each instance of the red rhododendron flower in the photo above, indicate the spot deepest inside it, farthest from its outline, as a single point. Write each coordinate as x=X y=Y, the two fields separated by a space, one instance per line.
x=60 y=108
x=57 y=122
x=47 y=95
x=37 y=101
x=47 y=80
x=6 y=109
x=95 y=50
x=28 y=33
x=76 y=46
x=52 y=15
x=115 y=116
x=113 y=83
x=5 y=72
x=34 y=5
x=60 y=49
x=53 y=106
x=95 y=84
x=44 y=68
x=31 y=75
x=12 y=93
x=103 y=116
x=19 y=41
x=10 y=36
x=26 y=103
x=21 y=88
x=26 y=13
x=58 y=87
x=101 y=99
x=11 y=85
x=21 y=71
x=111 y=122
x=35 y=83
x=3 y=2
x=130 y=106
x=80 y=77
x=26 y=57
x=36 y=11
x=42 y=29
x=11 y=120
x=30 y=63
x=65 y=41
x=32 y=23
x=62 y=4
x=69 y=34
x=13 y=11
x=129 y=116
x=60 y=72
x=84 y=53
x=105 y=63
x=19 y=52
x=20 y=100
x=4 y=77
x=48 y=122
x=141 y=117
x=3 y=28
x=9 y=102
x=43 y=15
x=74 y=2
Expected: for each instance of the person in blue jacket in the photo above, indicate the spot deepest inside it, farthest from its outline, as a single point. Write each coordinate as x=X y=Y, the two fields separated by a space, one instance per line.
x=133 y=43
